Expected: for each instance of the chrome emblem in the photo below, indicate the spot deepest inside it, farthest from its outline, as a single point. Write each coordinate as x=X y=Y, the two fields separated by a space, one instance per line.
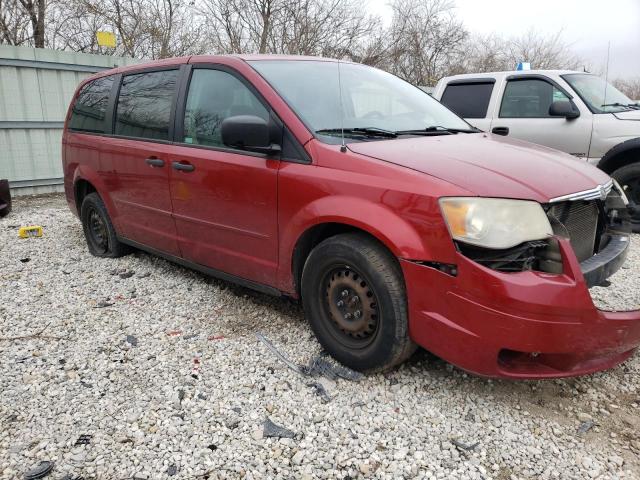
x=603 y=192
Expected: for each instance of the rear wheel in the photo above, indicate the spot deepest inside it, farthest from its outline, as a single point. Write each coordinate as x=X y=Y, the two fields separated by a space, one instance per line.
x=354 y=297
x=98 y=230
x=629 y=179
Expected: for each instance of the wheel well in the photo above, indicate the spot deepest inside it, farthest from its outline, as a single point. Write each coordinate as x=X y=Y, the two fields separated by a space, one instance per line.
x=82 y=189
x=312 y=237
x=626 y=157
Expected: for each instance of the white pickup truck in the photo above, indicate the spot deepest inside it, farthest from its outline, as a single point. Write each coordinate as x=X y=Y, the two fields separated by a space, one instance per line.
x=578 y=113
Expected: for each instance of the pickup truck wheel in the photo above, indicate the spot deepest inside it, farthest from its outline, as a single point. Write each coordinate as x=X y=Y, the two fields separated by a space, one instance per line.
x=98 y=230
x=629 y=179
x=354 y=297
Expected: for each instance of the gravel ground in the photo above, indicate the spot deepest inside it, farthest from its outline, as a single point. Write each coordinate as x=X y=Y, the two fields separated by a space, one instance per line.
x=160 y=370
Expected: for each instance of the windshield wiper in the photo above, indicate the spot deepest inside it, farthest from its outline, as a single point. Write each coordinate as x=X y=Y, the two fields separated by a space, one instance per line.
x=618 y=104
x=438 y=130
x=367 y=131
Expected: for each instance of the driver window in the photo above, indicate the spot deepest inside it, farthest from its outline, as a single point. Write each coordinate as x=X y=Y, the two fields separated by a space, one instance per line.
x=529 y=99
x=213 y=96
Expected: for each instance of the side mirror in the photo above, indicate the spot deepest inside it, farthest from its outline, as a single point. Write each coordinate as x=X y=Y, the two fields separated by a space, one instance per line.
x=563 y=108
x=248 y=132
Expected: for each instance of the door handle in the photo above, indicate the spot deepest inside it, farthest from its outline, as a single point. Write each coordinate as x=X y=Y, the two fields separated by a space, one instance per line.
x=154 y=162
x=504 y=131
x=183 y=167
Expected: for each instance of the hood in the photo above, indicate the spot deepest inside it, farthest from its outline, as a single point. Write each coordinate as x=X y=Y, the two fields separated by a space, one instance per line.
x=628 y=115
x=489 y=165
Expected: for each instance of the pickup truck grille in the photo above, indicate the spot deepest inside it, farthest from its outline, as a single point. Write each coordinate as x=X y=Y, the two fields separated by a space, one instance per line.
x=577 y=221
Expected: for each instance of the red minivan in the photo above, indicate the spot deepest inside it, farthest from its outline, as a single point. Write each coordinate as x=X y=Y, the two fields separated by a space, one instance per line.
x=396 y=222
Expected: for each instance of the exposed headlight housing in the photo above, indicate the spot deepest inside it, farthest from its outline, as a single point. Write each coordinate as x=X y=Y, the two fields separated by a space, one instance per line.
x=496 y=223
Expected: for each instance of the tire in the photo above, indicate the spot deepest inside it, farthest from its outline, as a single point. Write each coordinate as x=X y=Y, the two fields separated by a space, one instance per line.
x=629 y=178
x=357 y=270
x=98 y=230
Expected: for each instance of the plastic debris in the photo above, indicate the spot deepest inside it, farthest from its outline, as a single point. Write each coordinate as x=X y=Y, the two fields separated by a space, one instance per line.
x=30 y=231
x=133 y=341
x=586 y=426
x=84 y=439
x=464 y=446
x=276 y=431
x=215 y=337
x=277 y=353
x=41 y=470
x=174 y=333
x=25 y=260
x=103 y=304
x=320 y=391
x=322 y=366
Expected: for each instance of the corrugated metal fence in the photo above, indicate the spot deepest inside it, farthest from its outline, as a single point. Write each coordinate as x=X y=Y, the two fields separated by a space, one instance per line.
x=36 y=86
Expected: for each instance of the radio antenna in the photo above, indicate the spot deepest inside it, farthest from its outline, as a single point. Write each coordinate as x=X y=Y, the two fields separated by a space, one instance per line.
x=343 y=147
x=606 y=74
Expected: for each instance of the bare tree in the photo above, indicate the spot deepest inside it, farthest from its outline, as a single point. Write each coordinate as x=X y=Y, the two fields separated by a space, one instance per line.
x=425 y=35
x=22 y=22
x=495 y=53
x=629 y=86
x=299 y=27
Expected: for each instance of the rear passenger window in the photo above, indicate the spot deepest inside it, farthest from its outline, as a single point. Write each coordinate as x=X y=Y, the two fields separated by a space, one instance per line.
x=213 y=96
x=529 y=99
x=144 y=104
x=88 y=113
x=469 y=100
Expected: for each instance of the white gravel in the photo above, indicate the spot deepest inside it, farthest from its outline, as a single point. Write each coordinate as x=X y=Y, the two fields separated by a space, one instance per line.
x=170 y=378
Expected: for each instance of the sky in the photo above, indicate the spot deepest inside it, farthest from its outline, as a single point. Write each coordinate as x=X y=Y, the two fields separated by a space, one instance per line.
x=587 y=25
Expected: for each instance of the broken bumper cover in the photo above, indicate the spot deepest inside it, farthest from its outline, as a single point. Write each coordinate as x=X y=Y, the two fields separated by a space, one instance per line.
x=520 y=325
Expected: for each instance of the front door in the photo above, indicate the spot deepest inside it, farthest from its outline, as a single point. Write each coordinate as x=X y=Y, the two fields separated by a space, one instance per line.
x=137 y=158
x=524 y=114
x=224 y=200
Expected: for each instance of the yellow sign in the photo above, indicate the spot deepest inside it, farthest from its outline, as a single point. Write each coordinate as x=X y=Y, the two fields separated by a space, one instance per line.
x=106 y=39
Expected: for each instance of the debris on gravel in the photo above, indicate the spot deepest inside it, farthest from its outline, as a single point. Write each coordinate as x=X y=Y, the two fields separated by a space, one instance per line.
x=193 y=397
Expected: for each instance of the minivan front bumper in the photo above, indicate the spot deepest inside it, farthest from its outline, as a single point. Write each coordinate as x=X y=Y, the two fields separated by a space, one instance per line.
x=521 y=325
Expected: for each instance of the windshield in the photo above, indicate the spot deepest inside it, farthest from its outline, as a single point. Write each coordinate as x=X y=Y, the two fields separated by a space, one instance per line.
x=600 y=96
x=374 y=102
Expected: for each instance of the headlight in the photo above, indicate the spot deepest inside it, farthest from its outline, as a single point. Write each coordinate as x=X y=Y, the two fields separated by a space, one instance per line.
x=494 y=222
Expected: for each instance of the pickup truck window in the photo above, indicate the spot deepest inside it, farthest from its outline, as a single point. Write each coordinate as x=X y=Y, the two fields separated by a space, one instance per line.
x=529 y=98
x=600 y=96
x=469 y=100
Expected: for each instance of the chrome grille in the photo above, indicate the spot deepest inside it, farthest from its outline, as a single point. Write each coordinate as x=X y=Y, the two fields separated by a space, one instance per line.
x=577 y=221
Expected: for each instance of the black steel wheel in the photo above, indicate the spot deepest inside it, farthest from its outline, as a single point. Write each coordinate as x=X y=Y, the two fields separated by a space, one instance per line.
x=354 y=298
x=629 y=179
x=99 y=233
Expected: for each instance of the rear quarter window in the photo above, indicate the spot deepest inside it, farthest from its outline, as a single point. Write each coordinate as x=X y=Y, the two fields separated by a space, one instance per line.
x=469 y=100
x=89 y=109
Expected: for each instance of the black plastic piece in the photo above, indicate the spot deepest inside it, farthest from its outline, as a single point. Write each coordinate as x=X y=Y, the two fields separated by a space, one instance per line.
x=563 y=108
x=154 y=162
x=602 y=265
x=248 y=132
x=41 y=470
x=183 y=167
x=5 y=198
x=504 y=131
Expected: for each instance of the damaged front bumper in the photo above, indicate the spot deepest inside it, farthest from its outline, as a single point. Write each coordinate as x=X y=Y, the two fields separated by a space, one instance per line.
x=527 y=324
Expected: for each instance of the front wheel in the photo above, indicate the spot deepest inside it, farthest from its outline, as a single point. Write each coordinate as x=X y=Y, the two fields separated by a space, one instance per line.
x=629 y=179
x=354 y=296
